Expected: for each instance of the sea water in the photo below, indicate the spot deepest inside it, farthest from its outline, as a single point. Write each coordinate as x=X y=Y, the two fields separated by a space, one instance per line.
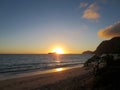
x=16 y=64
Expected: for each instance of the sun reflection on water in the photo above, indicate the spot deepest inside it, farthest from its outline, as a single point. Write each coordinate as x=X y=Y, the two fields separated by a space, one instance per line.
x=59 y=69
x=58 y=61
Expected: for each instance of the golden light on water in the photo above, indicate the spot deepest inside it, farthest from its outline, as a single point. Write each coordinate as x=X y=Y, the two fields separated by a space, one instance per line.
x=59 y=69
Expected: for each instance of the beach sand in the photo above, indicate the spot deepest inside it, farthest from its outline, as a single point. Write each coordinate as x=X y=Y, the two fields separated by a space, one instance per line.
x=71 y=79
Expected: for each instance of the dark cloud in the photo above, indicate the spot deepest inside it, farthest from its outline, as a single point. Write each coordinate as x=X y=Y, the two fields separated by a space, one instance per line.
x=110 y=31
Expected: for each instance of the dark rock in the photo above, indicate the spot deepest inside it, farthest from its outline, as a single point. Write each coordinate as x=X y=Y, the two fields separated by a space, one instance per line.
x=87 y=52
x=109 y=46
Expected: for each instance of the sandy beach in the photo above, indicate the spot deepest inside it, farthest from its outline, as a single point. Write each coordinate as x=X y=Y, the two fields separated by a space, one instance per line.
x=69 y=79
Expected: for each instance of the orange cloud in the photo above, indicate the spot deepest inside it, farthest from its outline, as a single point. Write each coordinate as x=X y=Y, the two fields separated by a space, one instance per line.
x=91 y=12
x=110 y=31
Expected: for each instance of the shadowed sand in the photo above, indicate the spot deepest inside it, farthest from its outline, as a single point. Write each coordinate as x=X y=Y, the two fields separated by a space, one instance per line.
x=70 y=79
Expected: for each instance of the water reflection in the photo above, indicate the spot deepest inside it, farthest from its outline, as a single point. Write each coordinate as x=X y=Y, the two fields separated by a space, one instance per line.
x=57 y=61
x=59 y=69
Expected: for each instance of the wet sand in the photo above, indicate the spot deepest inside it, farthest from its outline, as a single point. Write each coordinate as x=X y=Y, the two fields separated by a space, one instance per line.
x=78 y=77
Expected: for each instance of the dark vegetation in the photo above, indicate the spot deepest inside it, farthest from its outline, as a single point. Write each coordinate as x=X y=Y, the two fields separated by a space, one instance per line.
x=108 y=77
x=95 y=58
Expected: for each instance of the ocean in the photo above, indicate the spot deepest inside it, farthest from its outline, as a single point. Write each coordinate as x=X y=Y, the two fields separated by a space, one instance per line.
x=18 y=64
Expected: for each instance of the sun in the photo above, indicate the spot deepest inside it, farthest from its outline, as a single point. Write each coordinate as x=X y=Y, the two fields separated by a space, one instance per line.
x=58 y=50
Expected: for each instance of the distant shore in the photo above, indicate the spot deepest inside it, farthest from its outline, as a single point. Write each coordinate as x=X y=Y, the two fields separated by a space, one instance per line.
x=59 y=79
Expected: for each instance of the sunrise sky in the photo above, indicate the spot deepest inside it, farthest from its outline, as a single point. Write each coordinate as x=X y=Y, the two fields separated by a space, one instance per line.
x=39 y=26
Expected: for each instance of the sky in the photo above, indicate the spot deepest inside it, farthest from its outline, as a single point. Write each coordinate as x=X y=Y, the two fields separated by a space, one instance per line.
x=38 y=26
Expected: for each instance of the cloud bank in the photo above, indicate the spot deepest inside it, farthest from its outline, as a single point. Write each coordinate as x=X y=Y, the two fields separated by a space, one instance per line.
x=110 y=31
x=91 y=12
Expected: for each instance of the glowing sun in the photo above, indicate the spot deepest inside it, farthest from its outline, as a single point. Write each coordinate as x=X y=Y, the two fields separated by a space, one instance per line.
x=58 y=50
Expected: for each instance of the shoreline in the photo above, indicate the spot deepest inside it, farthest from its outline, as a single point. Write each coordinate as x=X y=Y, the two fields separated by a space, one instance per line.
x=38 y=81
x=39 y=72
